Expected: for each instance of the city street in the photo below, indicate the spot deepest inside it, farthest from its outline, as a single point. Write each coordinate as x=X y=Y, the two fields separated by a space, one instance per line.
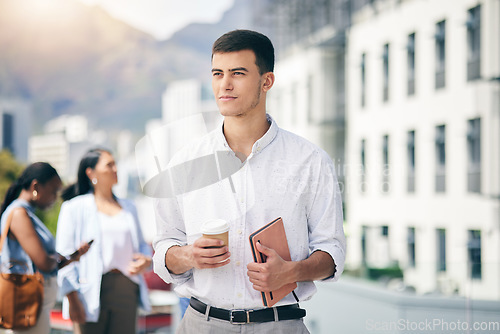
x=353 y=306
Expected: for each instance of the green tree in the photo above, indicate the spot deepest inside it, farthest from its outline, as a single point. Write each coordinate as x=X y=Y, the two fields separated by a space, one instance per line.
x=49 y=216
x=10 y=169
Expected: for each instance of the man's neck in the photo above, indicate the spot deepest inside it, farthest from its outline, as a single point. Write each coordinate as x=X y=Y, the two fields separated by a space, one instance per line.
x=242 y=132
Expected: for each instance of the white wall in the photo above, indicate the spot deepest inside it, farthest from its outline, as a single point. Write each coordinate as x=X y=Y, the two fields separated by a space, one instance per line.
x=304 y=96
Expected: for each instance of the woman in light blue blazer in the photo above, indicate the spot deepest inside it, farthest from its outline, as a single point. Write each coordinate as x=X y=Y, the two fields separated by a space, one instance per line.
x=103 y=291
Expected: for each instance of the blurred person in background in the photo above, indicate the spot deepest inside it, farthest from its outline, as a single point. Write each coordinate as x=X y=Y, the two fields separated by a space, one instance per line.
x=30 y=246
x=103 y=291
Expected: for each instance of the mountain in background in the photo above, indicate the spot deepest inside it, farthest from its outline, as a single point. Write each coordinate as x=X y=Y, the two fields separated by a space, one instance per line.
x=75 y=59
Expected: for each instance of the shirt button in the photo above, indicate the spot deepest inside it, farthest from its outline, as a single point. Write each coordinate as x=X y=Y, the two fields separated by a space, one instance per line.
x=239 y=295
x=239 y=231
x=238 y=263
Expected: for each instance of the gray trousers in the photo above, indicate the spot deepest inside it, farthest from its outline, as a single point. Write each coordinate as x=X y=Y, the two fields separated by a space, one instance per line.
x=194 y=322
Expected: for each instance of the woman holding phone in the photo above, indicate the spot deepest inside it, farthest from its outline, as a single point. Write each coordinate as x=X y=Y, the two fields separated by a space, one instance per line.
x=29 y=245
x=104 y=290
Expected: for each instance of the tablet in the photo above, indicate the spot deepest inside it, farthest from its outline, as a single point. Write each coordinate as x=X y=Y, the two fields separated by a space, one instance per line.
x=272 y=236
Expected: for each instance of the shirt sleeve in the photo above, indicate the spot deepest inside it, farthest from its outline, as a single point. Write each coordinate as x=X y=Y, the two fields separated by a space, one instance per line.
x=170 y=232
x=325 y=218
x=67 y=277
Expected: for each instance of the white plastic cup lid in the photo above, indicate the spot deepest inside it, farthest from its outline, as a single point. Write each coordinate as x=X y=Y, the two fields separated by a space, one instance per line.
x=215 y=226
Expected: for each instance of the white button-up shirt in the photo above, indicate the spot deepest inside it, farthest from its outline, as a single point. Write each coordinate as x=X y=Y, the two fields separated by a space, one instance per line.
x=284 y=176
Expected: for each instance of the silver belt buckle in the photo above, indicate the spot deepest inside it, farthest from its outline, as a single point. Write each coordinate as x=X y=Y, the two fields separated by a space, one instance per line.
x=231 y=317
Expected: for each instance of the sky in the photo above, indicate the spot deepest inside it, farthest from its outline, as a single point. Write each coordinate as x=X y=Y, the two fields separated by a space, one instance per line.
x=162 y=18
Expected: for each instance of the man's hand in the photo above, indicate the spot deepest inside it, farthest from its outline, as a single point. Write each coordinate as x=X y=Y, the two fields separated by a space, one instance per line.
x=209 y=253
x=276 y=272
x=204 y=253
x=272 y=274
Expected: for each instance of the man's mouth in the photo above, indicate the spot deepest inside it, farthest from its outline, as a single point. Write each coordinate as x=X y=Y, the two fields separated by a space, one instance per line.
x=227 y=98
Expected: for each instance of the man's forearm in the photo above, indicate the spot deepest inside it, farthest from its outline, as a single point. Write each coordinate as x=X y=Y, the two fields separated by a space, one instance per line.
x=318 y=266
x=178 y=259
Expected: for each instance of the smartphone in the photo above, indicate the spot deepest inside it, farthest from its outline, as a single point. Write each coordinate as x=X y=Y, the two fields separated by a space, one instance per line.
x=71 y=257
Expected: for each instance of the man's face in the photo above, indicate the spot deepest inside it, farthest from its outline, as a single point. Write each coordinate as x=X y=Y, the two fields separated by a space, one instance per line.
x=237 y=83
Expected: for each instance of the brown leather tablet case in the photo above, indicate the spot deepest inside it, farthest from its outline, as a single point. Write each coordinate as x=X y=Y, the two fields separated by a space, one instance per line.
x=272 y=236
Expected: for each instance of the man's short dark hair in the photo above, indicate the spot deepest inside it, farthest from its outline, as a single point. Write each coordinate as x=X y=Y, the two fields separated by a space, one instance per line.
x=238 y=40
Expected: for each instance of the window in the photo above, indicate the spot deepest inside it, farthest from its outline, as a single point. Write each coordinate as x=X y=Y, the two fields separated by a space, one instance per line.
x=363 y=80
x=8 y=132
x=474 y=43
x=339 y=63
x=474 y=155
x=363 y=165
x=310 y=99
x=364 y=233
x=295 y=103
x=440 y=38
x=385 y=160
x=384 y=230
x=410 y=49
x=411 y=161
x=440 y=144
x=474 y=250
x=441 y=249
x=411 y=247
x=385 y=63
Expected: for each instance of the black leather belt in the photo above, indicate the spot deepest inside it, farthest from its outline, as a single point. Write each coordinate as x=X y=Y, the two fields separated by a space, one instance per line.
x=287 y=312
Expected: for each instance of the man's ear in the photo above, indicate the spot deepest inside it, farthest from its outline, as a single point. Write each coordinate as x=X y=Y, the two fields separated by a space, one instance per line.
x=268 y=81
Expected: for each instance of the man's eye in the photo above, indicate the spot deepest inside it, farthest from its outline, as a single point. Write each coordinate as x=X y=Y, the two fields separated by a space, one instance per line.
x=239 y=73
x=216 y=74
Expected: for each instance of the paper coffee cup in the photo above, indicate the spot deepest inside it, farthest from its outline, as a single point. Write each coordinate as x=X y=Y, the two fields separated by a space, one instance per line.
x=216 y=229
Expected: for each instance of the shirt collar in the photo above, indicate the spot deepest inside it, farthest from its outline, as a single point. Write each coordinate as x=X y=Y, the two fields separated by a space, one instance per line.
x=267 y=138
x=261 y=143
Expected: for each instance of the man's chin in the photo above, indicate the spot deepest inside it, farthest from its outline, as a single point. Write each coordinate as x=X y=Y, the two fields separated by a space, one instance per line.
x=231 y=113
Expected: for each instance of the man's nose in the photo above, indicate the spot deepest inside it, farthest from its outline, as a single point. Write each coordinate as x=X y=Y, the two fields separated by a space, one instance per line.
x=227 y=83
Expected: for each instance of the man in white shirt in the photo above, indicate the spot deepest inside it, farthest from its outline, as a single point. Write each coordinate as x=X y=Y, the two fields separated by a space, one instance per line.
x=281 y=175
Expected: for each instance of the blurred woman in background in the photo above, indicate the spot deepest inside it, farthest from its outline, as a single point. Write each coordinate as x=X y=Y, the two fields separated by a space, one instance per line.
x=30 y=246
x=104 y=290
